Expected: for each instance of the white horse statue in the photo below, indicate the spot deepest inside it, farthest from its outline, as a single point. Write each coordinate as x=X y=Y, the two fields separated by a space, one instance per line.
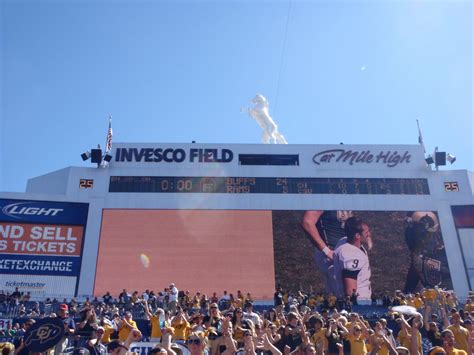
x=260 y=113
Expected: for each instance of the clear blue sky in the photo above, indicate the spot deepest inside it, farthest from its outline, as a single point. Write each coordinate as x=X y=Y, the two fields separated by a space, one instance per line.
x=177 y=71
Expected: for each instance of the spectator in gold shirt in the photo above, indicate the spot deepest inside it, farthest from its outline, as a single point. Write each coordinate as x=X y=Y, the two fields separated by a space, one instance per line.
x=449 y=343
x=181 y=327
x=126 y=325
x=461 y=334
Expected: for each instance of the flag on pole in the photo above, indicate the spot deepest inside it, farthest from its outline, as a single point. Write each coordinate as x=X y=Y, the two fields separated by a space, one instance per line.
x=420 y=137
x=108 y=139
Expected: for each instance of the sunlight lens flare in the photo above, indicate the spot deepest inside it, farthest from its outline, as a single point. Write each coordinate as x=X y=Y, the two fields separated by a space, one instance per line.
x=145 y=260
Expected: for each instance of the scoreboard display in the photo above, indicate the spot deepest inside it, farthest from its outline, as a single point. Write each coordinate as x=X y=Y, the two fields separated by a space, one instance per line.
x=269 y=185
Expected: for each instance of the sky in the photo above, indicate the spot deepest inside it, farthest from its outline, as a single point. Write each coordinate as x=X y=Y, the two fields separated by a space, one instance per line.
x=358 y=72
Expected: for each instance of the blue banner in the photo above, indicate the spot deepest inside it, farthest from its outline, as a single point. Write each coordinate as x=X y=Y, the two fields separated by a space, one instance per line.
x=29 y=211
x=40 y=265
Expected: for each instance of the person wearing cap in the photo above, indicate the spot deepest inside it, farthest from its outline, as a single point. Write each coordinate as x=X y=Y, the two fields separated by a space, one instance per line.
x=69 y=327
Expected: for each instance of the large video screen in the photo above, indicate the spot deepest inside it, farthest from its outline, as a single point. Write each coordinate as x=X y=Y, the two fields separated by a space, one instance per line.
x=371 y=252
x=405 y=251
x=198 y=250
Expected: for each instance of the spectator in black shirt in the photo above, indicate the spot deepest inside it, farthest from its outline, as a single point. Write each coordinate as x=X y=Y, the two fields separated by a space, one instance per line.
x=213 y=323
x=293 y=331
x=88 y=323
x=16 y=294
x=333 y=337
x=278 y=297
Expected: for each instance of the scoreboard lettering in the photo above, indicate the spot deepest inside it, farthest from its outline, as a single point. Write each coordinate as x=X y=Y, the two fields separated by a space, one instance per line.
x=268 y=185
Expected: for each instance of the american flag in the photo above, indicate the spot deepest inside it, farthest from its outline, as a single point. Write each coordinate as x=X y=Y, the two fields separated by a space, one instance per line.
x=108 y=139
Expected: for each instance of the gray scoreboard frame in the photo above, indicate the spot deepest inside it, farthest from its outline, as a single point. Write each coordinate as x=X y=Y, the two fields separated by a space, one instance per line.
x=314 y=161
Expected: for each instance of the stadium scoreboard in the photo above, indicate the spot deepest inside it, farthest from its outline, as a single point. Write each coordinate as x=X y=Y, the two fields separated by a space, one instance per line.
x=154 y=201
x=268 y=185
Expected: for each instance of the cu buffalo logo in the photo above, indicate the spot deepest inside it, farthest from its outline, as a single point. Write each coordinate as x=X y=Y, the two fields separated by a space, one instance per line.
x=44 y=334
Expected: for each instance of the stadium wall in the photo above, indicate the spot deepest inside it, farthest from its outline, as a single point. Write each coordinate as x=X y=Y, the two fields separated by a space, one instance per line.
x=314 y=161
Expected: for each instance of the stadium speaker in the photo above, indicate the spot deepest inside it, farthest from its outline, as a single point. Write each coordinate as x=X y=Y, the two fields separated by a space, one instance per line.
x=451 y=158
x=96 y=156
x=107 y=158
x=440 y=158
x=86 y=155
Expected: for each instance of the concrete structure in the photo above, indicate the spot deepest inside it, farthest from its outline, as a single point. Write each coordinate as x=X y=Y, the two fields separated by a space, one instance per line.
x=169 y=170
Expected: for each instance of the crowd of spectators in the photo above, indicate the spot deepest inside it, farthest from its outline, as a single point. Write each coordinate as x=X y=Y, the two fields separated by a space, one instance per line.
x=297 y=323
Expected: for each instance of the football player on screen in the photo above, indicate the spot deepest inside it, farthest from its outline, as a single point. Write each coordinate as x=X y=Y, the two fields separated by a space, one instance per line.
x=325 y=229
x=351 y=261
x=423 y=239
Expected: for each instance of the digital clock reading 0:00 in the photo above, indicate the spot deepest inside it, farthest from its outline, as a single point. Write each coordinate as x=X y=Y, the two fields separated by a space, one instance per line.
x=179 y=185
x=268 y=185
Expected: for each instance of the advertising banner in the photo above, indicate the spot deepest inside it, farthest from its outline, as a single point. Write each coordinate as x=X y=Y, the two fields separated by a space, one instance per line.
x=40 y=243
x=142 y=348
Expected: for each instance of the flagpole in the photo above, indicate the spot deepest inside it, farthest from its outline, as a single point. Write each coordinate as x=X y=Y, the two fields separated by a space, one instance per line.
x=420 y=137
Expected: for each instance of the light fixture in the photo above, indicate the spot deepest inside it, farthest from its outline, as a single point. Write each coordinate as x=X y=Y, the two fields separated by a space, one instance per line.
x=86 y=155
x=107 y=157
x=96 y=156
x=451 y=158
x=440 y=158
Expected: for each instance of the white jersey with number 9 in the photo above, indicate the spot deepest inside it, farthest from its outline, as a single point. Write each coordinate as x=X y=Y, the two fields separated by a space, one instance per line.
x=351 y=261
